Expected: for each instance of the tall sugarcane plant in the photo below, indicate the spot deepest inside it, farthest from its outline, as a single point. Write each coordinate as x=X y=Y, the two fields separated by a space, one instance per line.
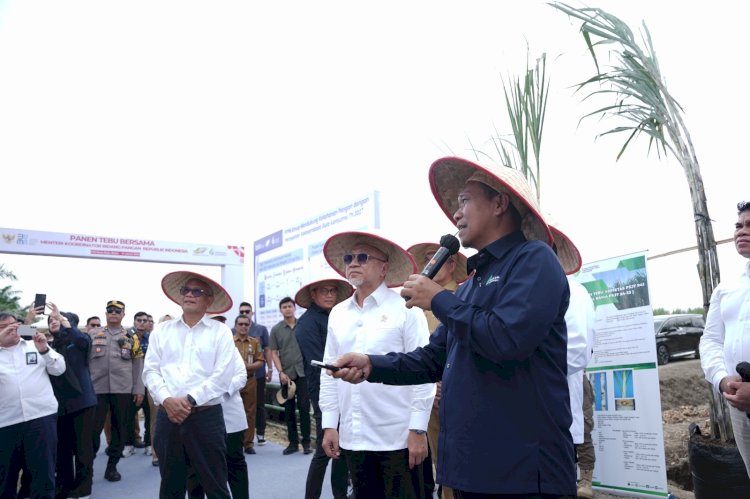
x=526 y=102
x=644 y=106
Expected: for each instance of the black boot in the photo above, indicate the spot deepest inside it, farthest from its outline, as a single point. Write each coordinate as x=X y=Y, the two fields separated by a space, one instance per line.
x=111 y=472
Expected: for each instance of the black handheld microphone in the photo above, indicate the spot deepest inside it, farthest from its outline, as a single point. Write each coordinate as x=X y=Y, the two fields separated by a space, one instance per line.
x=743 y=369
x=449 y=246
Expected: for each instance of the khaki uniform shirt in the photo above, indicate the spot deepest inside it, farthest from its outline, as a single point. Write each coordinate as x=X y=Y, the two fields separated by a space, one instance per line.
x=432 y=321
x=250 y=351
x=115 y=367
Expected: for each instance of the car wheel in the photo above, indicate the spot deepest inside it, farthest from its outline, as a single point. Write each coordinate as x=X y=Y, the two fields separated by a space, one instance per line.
x=662 y=355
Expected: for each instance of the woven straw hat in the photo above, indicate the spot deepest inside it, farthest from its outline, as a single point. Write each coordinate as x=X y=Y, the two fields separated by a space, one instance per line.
x=419 y=250
x=401 y=263
x=172 y=282
x=449 y=175
x=344 y=290
x=286 y=392
x=567 y=253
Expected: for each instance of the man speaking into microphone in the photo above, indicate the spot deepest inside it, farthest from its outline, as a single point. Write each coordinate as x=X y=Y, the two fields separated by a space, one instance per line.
x=501 y=348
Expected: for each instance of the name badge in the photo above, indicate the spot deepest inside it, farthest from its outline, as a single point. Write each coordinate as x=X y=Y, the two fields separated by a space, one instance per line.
x=31 y=358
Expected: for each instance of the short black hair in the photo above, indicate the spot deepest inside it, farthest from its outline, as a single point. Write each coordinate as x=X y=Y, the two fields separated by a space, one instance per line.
x=284 y=300
x=743 y=206
x=93 y=317
x=245 y=304
x=241 y=317
x=140 y=314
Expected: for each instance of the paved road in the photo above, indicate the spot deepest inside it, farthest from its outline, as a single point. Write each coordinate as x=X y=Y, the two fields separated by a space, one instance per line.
x=272 y=476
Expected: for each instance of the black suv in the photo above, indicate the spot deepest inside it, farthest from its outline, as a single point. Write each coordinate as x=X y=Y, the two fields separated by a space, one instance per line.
x=677 y=336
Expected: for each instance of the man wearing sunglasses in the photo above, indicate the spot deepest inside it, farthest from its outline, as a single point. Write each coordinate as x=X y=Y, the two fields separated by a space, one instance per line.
x=189 y=368
x=379 y=430
x=116 y=363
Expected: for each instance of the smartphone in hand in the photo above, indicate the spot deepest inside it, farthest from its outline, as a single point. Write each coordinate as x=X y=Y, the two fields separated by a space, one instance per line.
x=40 y=300
x=322 y=365
x=26 y=332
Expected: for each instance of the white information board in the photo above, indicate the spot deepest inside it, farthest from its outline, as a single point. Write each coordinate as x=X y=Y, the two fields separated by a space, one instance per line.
x=291 y=257
x=628 y=436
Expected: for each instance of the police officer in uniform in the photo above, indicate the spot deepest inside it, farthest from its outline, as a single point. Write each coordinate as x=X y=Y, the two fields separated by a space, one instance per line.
x=116 y=364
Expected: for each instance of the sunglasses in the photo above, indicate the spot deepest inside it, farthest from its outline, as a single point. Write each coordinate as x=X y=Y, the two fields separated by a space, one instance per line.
x=245 y=311
x=362 y=258
x=194 y=292
x=94 y=324
x=114 y=310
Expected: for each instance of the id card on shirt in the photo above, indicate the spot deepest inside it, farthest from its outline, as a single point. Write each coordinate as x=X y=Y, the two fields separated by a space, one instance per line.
x=31 y=358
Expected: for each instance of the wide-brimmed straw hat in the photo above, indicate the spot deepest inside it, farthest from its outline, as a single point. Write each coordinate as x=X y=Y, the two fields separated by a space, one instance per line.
x=344 y=290
x=401 y=264
x=286 y=392
x=172 y=282
x=567 y=253
x=449 y=175
x=419 y=250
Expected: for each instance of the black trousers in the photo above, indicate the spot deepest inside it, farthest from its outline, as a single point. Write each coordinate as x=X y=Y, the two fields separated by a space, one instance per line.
x=237 y=469
x=32 y=444
x=198 y=443
x=75 y=453
x=118 y=405
x=260 y=406
x=302 y=399
x=384 y=474
x=317 y=471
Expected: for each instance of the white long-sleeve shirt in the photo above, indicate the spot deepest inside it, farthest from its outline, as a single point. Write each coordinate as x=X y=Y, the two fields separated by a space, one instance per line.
x=579 y=319
x=726 y=337
x=196 y=361
x=25 y=389
x=231 y=403
x=373 y=416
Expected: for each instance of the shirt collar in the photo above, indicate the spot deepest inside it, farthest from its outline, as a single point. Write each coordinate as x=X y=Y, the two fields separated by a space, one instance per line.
x=378 y=295
x=494 y=251
x=747 y=268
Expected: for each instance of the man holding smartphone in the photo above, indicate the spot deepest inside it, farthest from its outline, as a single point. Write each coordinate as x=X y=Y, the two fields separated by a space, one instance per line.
x=28 y=424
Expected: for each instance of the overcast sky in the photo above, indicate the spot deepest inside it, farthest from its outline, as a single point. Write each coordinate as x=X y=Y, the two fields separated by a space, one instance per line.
x=222 y=122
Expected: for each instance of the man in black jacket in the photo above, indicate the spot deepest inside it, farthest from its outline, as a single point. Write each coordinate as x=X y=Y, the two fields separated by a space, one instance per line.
x=312 y=327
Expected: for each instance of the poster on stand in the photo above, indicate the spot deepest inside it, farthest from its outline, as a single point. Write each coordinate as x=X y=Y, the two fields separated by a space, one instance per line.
x=628 y=435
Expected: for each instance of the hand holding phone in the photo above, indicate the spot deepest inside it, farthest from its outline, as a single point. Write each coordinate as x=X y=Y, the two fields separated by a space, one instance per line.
x=40 y=300
x=322 y=365
x=26 y=332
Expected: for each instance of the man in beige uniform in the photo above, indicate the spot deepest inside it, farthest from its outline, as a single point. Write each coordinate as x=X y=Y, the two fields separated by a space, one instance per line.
x=116 y=366
x=451 y=274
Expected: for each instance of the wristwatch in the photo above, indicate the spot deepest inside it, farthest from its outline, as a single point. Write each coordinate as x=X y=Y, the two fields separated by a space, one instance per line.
x=418 y=432
x=192 y=400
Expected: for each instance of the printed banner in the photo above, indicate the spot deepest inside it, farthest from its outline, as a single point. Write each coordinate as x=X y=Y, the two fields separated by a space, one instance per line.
x=30 y=242
x=628 y=435
x=291 y=257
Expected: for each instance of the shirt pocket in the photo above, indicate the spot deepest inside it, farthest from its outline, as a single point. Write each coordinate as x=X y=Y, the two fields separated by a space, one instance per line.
x=381 y=340
x=98 y=348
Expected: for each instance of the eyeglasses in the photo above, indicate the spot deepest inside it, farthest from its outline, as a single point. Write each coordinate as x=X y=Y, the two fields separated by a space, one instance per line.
x=362 y=258
x=114 y=310
x=326 y=291
x=195 y=292
x=245 y=311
